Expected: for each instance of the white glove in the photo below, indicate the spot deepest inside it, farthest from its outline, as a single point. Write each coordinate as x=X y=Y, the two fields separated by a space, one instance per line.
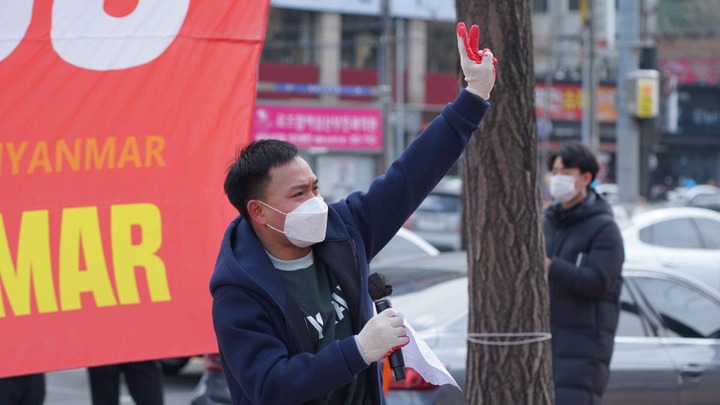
x=383 y=334
x=477 y=66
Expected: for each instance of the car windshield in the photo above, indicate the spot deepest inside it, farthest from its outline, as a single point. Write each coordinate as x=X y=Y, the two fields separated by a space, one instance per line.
x=437 y=202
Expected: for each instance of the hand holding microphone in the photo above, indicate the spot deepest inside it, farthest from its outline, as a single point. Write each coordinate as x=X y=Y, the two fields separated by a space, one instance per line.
x=380 y=290
x=382 y=335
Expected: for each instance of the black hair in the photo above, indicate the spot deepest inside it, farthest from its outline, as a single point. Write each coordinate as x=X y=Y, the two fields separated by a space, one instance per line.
x=249 y=173
x=575 y=155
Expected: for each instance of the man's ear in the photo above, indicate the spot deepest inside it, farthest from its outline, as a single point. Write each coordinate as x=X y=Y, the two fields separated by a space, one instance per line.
x=256 y=212
x=587 y=179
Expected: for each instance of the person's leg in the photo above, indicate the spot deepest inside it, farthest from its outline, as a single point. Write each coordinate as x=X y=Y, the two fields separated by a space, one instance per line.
x=34 y=389
x=105 y=384
x=11 y=390
x=144 y=381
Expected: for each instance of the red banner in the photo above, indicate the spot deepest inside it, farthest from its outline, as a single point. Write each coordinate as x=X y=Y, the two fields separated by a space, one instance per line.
x=119 y=118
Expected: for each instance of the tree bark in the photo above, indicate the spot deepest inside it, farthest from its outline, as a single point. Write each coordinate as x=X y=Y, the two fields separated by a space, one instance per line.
x=508 y=290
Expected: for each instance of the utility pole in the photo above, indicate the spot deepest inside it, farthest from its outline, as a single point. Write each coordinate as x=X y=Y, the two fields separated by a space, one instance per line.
x=627 y=133
x=385 y=73
x=589 y=126
x=650 y=132
x=399 y=86
x=545 y=129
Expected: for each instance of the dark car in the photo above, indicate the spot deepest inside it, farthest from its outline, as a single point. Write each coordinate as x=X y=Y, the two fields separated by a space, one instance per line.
x=438 y=218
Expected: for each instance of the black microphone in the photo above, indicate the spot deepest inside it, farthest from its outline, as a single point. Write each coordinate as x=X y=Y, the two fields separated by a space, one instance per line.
x=380 y=290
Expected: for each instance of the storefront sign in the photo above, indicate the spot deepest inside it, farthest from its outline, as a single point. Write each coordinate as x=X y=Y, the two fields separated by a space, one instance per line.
x=328 y=128
x=699 y=109
x=366 y=7
x=564 y=102
x=693 y=71
x=436 y=10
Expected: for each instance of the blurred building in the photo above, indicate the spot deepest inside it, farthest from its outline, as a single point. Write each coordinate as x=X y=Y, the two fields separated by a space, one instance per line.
x=333 y=54
x=688 y=40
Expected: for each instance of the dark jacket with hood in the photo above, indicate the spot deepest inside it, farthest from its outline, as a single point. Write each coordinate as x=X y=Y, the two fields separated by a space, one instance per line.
x=587 y=254
x=264 y=343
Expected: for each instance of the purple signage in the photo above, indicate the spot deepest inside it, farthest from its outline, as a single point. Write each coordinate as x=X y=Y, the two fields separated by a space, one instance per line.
x=317 y=127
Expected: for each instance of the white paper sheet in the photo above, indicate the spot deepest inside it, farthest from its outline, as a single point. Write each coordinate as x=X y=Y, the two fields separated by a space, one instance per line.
x=420 y=358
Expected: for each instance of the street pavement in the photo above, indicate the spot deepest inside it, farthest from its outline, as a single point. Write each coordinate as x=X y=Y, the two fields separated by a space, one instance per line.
x=70 y=387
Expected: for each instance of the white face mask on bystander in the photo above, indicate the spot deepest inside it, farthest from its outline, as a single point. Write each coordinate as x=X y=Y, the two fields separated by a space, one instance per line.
x=306 y=224
x=562 y=188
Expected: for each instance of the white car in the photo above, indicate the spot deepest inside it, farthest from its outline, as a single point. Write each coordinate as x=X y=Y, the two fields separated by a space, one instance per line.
x=702 y=196
x=405 y=243
x=682 y=239
x=609 y=191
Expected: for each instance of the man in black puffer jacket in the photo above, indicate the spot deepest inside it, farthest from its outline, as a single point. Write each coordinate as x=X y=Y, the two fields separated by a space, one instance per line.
x=584 y=256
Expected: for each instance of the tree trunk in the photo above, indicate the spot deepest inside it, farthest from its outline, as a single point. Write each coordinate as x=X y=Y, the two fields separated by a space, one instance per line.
x=508 y=290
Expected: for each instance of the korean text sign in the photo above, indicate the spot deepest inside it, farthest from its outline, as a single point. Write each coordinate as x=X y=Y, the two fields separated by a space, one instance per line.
x=320 y=127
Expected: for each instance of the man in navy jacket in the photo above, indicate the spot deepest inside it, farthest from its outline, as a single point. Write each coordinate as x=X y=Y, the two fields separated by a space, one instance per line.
x=584 y=257
x=291 y=309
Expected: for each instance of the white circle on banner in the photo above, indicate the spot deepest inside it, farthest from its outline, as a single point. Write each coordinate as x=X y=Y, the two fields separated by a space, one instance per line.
x=15 y=17
x=84 y=35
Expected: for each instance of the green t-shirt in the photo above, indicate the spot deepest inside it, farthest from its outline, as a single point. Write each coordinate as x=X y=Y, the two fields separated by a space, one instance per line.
x=327 y=317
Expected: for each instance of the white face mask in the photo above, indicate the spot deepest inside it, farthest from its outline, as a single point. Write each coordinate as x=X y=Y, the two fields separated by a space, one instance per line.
x=562 y=188
x=306 y=224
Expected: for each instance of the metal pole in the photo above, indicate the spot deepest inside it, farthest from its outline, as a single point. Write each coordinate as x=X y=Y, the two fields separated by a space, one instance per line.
x=399 y=86
x=627 y=133
x=589 y=127
x=555 y=17
x=385 y=83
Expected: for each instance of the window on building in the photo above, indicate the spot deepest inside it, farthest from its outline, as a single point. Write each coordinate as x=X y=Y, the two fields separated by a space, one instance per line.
x=290 y=37
x=574 y=5
x=360 y=41
x=540 y=6
x=442 y=54
x=688 y=17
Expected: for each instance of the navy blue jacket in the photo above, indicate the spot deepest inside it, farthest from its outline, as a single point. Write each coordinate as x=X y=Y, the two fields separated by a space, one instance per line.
x=264 y=343
x=587 y=254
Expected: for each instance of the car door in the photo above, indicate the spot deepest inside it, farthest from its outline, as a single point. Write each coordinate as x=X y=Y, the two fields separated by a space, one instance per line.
x=710 y=231
x=678 y=245
x=690 y=320
x=641 y=370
